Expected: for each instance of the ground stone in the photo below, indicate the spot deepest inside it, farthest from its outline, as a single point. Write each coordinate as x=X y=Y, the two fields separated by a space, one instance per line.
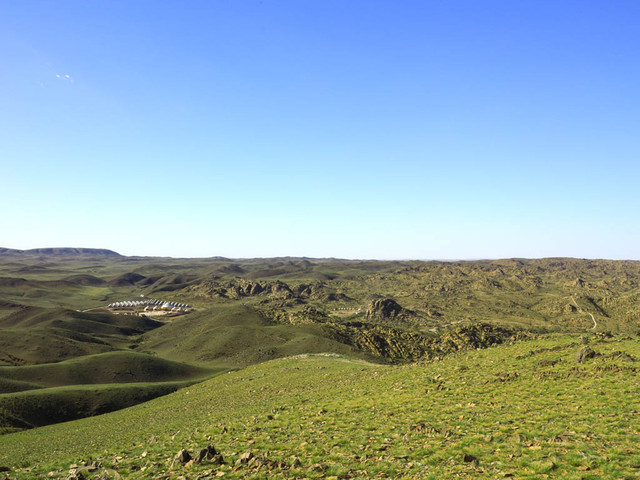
x=245 y=457
x=182 y=457
x=584 y=353
x=207 y=453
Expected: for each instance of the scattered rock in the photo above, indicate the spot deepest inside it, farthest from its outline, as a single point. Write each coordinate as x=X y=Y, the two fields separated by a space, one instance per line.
x=182 y=457
x=209 y=453
x=618 y=355
x=319 y=467
x=244 y=458
x=468 y=458
x=107 y=474
x=74 y=474
x=584 y=353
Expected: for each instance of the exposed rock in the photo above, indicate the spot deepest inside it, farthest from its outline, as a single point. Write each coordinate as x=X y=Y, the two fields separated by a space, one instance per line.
x=569 y=308
x=182 y=457
x=107 y=474
x=281 y=290
x=209 y=453
x=245 y=458
x=480 y=335
x=618 y=355
x=383 y=308
x=468 y=458
x=75 y=474
x=584 y=353
x=239 y=288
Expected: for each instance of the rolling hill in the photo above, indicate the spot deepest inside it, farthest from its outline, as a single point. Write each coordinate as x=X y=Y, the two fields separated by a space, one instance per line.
x=525 y=410
x=249 y=311
x=37 y=395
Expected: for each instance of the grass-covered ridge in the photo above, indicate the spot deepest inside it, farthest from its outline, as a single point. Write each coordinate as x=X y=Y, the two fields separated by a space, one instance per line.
x=111 y=367
x=36 y=395
x=526 y=410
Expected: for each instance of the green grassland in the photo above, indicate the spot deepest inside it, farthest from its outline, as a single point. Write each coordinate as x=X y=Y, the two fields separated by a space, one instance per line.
x=37 y=395
x=525 y=410
x=233 y=335
x=111 y=367
x=41 y=335
x=447 y=358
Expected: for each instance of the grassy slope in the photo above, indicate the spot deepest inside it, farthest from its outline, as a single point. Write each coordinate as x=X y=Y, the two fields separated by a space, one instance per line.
x=233 y=335
x=518 y=413
x=39 y=395
x=111 y=367
x=42 y=335
x=35 y=408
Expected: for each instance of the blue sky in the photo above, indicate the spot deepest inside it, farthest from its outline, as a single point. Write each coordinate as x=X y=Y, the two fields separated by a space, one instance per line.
x=360 y=129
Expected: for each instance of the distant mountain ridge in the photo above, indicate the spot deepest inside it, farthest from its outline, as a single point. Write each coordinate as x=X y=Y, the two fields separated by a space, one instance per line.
x=60 y=251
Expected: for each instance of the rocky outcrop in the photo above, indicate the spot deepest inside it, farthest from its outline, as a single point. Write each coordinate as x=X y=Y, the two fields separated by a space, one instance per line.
x=381 y=341
x=182 y=457
x=479 y=335
x=209 y=454
x=384 y=309
x=306 y=315
x=399 y=345
x=240 y=288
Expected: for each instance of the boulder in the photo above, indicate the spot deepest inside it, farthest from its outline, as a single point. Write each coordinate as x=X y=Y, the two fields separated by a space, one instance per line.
x=584 y=353
x=468 y=458
x=245 y=458
x=209 y=453
x=182 y=457
x=75 y=474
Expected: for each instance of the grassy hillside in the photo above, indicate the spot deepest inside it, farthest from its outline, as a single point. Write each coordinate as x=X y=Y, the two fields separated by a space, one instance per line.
x=234 y=335
x=35 y=408
x=526 y=410
x=41 y=335
x=111 y=367
x=254 y=310
x=37 y=395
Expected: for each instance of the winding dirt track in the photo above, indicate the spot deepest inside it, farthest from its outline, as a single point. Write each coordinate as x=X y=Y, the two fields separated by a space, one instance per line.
x=595 y=324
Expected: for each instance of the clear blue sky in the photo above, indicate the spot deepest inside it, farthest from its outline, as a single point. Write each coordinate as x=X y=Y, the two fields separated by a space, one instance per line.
x=356 y=129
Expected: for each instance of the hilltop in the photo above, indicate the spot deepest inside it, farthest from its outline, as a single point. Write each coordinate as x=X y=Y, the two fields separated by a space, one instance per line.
x=60 y=251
